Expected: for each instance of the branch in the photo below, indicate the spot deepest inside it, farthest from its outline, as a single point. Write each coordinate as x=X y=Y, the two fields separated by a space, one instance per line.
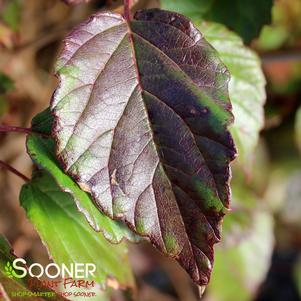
x=6 y=166
x=16 y=129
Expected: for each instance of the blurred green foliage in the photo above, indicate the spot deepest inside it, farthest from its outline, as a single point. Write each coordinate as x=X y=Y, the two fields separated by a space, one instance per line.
x=245 y=17
x=298 y=128
x=241 y=267
x=6 y=85
x=11 y=13
x=285 y=29
x=246 y=87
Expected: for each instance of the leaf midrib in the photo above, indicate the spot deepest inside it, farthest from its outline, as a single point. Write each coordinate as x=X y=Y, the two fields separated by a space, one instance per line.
x=131 y=33
x=184 y=122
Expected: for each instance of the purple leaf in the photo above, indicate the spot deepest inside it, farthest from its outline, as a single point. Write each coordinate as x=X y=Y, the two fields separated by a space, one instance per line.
x=141 y=114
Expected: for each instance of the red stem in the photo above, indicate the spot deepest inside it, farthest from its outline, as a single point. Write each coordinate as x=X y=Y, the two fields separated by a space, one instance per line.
x=13 y=170
x=15 y=129
x=9 y=128
x=127 y=10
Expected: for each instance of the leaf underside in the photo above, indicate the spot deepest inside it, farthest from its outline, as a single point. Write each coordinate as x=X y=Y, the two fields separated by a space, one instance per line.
x=141 y=117
x=41 y=149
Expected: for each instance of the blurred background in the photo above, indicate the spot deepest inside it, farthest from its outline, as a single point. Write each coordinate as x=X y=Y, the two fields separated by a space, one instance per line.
x=259 y=258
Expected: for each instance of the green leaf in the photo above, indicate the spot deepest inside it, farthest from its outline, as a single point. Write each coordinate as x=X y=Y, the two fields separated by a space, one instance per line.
x=191 y=8
x=10 y=284
x=68 y=236
x=11 y=13
x=298 y=128
x=42 y=122
x=285 y=28
x=8 y=270
x=6 y=83
x=243 y=257
x=272 y=38
x=242 y=260
x=246 y=87
x=41 y=151
x=246 y=17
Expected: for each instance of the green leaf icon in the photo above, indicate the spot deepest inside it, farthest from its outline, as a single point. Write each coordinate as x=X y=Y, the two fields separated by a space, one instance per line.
x=9 y=270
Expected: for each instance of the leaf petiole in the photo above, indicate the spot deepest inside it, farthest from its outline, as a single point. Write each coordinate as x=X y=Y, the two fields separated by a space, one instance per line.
x=127 y=12
x=16 y=129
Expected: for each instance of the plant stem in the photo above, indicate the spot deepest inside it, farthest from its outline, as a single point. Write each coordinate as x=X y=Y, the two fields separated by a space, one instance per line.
x=13 y=170
x=127 y=12
x=9 y=128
